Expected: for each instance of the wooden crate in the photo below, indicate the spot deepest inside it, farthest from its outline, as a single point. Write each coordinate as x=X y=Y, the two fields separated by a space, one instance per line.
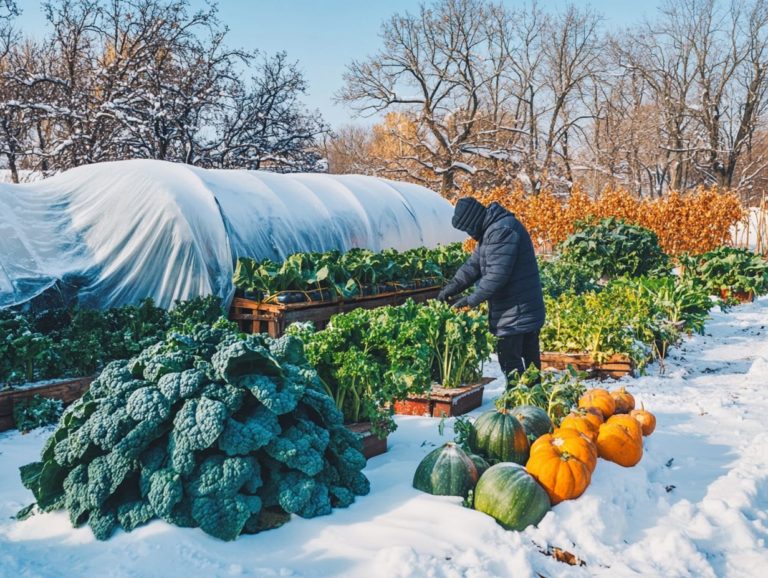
x=444 y=402
x=616 y=366
x=273 y=318
x=67 y=390
x=372 y=445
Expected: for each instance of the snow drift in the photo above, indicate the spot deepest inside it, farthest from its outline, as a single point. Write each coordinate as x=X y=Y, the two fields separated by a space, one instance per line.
x=115 y=233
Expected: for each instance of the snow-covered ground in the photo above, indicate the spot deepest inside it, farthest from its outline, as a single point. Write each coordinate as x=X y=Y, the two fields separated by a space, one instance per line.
x=696 y=505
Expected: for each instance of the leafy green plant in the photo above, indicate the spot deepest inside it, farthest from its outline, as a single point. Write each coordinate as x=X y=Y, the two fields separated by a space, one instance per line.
x=684 y=304
x=24 y=352
x=554 y=392
x=64 y=342
x=559 y=276
x=613 y=248
x=352 y=356
x=636 y=317
x=332 y=275
x=646 y=321
x=207 y=429
x=370 y=358
x=462 y=426
x=194 y=311
x=589 y=324
x=459 y=342
x=620 y=319
x=35 y=412
x=728 y=269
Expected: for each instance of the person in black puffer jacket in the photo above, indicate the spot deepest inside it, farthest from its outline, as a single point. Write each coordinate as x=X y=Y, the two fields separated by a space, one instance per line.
x=504 y=270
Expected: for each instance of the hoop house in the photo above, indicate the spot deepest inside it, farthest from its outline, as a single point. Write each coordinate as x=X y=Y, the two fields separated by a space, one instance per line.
x=115 y=233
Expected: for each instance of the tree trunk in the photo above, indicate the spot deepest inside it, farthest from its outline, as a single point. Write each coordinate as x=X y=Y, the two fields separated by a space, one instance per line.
x=12 y=167
x=725 y=176
x=447 y=183
x=43 y=143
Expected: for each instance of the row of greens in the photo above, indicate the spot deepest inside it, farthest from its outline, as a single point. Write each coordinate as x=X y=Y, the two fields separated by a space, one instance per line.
x=590 y=308
x=366 y=359
x=334 y=275
x=727 y=270
x=598 y=253
x=75 y=342
x=207 y=428
x=611 y=290
x=370 y=358
x=637 y=317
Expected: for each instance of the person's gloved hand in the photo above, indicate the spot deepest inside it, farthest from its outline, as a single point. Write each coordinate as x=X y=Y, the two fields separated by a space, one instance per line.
x=460 y=303
x=443 y=295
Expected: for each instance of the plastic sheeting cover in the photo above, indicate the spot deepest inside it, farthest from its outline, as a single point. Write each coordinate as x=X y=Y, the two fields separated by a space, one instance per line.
x=121 y=232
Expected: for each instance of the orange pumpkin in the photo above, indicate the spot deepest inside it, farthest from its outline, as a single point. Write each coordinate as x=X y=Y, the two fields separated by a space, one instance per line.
x=571 y=442
x=646 y=420
x=625 y=401
x=581 y=424
x=561 y=474
x=592 y=414
x=617 y=442
x=600 y=399
x=628 y=421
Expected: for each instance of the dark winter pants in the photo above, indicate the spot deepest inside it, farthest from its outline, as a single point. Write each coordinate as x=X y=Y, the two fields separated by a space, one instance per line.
x=516 y=352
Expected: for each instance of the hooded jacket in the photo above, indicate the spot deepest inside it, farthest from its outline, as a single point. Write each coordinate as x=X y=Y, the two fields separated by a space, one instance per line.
x=504 y=267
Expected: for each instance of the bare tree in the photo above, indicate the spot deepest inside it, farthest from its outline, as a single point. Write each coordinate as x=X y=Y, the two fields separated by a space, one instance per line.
x=435 y=66
x=699 y=71
x=17 y=107
x=523 y=42
x=571 y=52
x=348 y=150
x=495 y=94
x=9 y=120
x=120 y=79
x=731 y=50
x=8 y=11
x=264 y=125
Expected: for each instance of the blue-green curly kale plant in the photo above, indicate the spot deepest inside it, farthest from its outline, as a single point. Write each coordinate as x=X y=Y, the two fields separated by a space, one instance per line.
x=228 y=433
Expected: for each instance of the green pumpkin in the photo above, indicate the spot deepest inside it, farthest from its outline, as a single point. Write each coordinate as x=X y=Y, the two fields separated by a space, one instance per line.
x=534 y=420
x=499 y=437
x=480 y=463
x=511 y=496
x=446 y=471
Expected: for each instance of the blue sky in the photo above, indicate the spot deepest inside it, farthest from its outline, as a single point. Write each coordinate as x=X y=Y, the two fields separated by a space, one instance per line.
x=324 y=35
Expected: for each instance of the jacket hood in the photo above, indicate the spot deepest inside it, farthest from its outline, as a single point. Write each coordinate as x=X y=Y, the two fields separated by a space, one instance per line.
x=470 y=216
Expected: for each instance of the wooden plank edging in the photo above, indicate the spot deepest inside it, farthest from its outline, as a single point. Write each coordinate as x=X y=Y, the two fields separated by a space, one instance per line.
x=615 y=366
x=372 y=445
x=67 y=390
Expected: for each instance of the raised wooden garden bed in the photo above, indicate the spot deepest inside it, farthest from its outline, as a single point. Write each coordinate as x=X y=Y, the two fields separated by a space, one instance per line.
x=444 y=402
x=616 y=366
x=740 y=296
x=273 y=318
x=372 y=445
x=67 y=390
